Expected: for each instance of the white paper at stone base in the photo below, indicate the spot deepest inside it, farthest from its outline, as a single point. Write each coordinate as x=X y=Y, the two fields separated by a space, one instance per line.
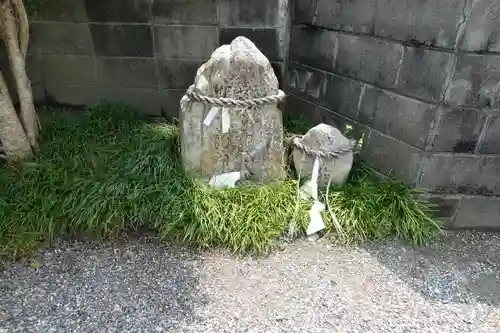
x=225 y=180
x=316 y=221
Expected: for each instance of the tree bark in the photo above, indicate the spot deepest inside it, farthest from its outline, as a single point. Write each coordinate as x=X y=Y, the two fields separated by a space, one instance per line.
x=14 y=140
x=18 y=67
x=24 y=27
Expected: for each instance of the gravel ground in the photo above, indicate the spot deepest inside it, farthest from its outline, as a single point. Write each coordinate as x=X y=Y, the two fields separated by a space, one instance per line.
x=138 y=285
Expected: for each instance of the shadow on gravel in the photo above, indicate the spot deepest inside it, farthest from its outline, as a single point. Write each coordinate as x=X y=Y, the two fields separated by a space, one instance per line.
x=130 y=285
x=458 y=267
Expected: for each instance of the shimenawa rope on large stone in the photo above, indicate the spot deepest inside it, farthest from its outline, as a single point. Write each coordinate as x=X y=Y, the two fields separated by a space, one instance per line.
x=295 y=141
x=194 y=95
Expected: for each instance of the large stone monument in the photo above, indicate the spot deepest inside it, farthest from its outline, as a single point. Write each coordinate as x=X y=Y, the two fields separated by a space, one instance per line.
x=229 y=121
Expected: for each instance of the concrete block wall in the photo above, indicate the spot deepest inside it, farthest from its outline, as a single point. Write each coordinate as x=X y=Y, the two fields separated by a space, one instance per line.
x=421 y=80
x=141 y=52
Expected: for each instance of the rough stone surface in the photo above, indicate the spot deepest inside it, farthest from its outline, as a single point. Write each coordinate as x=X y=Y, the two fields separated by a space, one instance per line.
x=331 y=170
x=254 y=142
x=449 y=286
x=269 y=40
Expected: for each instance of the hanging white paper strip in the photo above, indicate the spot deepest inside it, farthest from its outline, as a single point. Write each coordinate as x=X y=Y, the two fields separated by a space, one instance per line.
x=314 y=179
x=225 y=120
x=211 y=115
x=316 y=221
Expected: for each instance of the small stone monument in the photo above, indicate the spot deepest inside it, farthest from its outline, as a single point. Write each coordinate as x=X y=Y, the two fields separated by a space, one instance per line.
x=230 y=125
x=325 y=146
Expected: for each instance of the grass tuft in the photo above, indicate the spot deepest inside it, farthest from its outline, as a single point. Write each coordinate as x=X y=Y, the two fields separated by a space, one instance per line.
x=106 y=171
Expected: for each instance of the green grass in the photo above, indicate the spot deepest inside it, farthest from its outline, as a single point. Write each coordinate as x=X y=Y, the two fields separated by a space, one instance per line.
x=107 y=171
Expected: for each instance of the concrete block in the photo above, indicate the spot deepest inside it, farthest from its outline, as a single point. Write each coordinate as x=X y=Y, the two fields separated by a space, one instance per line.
x=348 y=127
x=368 y=59
x=306 y=82
x=482 y=31
x=458 y=130
x=68 y=70
x=279 y=71
x=38 y=91
x=122 y=40
x=146 y=101
x=444 y=207
x=304 y=11
x=403 y=118
x=34 y=68
x=465 y=174
x=62 y=11
x=431 y=22
x=270 y=41
x=392 y=157
x=313 y=47
x=424 y=72
x=346 y=15
x=76 y=96
x=184 y=12
x=301 y=111
x=170 y=103
x=127 y=72
x=253 y=13
x=177 y=73
x=475 y=82
x=478 y=212
x=134 y=11
x=59 y=38
x=342 y=95
x=490 y=143
x=195 y=43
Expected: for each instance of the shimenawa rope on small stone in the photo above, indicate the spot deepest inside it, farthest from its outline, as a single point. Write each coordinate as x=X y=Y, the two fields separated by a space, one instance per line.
x=295 y=141
x=194 y=95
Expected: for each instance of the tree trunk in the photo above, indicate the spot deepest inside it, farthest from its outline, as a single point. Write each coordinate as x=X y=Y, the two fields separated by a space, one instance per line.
x=18 y=67
x=24 y=32
x=12 y=135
